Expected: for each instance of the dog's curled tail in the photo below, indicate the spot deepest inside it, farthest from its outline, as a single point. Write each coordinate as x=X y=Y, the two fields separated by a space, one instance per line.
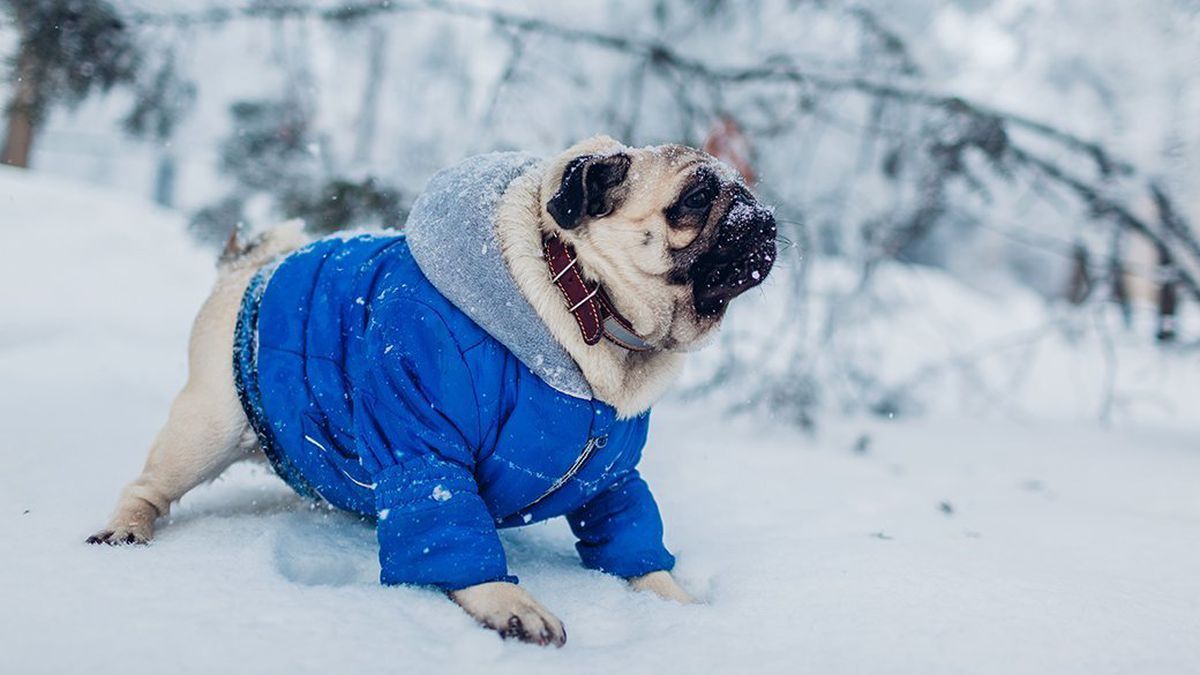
x=258 y=251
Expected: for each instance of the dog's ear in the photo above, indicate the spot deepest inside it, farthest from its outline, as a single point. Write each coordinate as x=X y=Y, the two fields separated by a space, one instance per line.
x=588 y=188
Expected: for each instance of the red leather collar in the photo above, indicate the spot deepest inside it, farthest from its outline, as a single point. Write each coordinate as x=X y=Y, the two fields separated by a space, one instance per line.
x=589 y=304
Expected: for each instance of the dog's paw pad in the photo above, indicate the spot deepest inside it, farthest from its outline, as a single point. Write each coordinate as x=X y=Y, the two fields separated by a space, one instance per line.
x=533 y=628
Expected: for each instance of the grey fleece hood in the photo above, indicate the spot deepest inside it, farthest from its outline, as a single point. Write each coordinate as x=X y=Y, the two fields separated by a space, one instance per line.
x=452 y=235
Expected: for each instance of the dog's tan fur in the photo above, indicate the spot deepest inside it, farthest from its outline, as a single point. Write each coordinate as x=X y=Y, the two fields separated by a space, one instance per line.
x=207 y=431
x=628 y=254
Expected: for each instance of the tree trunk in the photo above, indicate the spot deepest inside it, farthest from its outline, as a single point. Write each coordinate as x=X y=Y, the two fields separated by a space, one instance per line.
x=18 y=141
x=164 y=181
x=1168 y=297
x=1080 y=285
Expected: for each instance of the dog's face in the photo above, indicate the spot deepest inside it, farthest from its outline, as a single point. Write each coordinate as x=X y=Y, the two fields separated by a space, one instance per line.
x=672 y=233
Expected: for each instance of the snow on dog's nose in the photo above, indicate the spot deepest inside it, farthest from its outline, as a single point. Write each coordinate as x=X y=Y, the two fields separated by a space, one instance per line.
x=739 y=259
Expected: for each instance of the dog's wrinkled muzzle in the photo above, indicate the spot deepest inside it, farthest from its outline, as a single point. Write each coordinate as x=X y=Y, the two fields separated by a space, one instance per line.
x=739 y=259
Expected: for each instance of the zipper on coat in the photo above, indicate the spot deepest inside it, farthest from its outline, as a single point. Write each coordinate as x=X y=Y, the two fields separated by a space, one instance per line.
x=592 y=445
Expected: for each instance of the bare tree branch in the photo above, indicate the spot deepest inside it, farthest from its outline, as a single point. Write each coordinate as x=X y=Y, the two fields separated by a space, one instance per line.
x=1104 y=207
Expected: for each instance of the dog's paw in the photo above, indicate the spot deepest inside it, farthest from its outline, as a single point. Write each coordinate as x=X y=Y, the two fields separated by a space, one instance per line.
x=121 y=536
x=507 y=609
x=133 y=524
x=663 y=585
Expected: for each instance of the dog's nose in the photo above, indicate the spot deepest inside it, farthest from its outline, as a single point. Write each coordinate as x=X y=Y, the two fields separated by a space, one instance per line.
x=746 y=227
x=739 y=259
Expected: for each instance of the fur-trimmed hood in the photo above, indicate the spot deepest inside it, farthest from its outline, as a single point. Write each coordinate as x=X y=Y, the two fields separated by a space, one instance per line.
x=452 y=234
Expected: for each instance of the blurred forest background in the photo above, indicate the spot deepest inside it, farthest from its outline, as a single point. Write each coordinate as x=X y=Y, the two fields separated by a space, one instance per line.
x=988 y=205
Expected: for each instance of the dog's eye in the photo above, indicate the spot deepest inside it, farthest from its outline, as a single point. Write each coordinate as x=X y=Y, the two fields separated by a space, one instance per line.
x=699 y=198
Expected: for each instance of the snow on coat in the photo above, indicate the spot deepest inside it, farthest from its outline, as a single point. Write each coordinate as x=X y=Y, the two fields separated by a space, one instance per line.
x=405 y=378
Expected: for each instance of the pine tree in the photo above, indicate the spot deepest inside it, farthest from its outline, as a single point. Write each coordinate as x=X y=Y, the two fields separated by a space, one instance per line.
x=67 y=50
x=273 y=152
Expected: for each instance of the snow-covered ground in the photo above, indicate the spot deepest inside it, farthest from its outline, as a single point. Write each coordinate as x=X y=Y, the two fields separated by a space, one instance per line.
x=940 y=545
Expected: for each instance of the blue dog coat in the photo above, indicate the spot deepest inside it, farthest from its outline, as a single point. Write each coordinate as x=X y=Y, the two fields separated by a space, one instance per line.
x=405 y=378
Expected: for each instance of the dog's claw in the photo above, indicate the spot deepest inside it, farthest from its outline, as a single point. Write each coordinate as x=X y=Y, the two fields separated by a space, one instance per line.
x=117 y=538
x=515 y=628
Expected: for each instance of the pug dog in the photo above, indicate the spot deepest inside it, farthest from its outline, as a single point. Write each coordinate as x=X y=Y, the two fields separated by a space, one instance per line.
x=491 y=366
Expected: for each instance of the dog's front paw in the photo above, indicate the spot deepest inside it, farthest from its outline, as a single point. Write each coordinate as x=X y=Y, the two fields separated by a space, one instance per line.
x=663 y=585
x=507 y=609
x=121 y=536
x=133 y=524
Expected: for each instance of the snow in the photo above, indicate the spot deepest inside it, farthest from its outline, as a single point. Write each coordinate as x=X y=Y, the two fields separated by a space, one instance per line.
x=946 y=544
